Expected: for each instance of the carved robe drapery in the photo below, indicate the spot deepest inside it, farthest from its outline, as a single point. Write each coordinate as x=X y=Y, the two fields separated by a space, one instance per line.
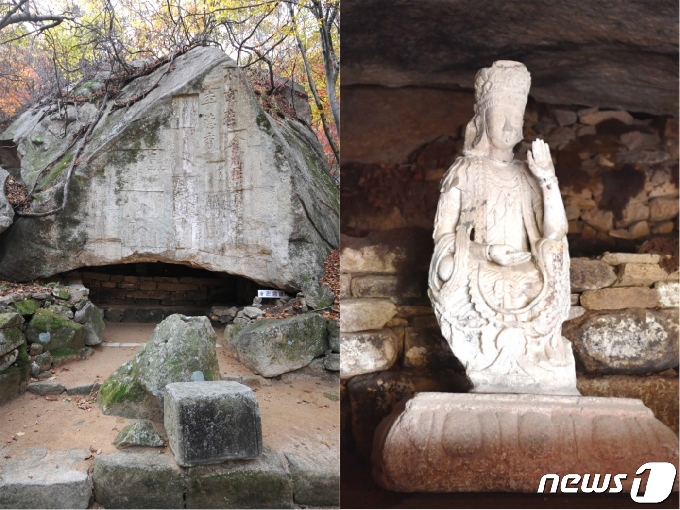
x=502 y=322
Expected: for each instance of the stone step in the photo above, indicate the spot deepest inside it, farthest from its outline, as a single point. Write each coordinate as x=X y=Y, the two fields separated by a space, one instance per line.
x=46 y=479
x=316 y=478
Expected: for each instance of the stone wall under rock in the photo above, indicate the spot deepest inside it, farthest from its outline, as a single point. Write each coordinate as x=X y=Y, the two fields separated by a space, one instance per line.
x=623 y=327
x=192 y=172
x=43 y=330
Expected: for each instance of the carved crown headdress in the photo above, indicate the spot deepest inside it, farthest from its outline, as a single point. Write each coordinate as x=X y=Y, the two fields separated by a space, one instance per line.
x=504 y=82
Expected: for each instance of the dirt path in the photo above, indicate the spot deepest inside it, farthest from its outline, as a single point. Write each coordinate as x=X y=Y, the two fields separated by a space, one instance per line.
x=295 y=417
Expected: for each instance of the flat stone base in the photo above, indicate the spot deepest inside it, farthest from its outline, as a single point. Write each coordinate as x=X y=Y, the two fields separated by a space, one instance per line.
x=447 y=442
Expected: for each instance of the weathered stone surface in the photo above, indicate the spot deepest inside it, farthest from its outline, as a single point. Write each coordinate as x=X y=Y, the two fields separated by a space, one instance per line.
x=63 y=333
x=373 y=396
x=178 y=347
x=368 y=351
x=633 y=341
x=212 y=421
x=586 y=274
x=620 y=298
x=364 y=314
x=658 y=392
x=594 y=118
x=92 y=320
x=10 y=319
x=6 y=209
x=10 y=384
x=10 y=339
x=84 y=389
x=27 y=306
x=46 y=388
x=442 y=442
x=316 y=479
x=269 y=210
x=259 y=483
x=272 y=347
x=42 y=478
x=7 y=359
x=599 y=220
x=633 y=274
x=333 y=329
x=139 y=433
x=663 y=208
x=427 y=348
x=371 y=258
x=621 y=258
x=138 y=480
x=44 y=361
x=669 y=294
x=565 y=117
x=590 y=53
x=372 y=286
x=331 y=361
x=252 y=312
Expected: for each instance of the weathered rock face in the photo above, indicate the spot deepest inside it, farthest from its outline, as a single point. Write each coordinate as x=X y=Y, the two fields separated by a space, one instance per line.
x=273 y=347
x=6 y=210
x=57 y=331
x=633 y=341
x=179 y=346
x=195 y=173
x=593 y=53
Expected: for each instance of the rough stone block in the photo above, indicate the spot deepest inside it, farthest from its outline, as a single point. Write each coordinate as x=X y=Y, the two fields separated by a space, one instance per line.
x=345 y=286
x=63 y=333
x=365 y=314
x=616 y=259
x=441 y=442
x=620 y=298
x=150 y=315
x=46 y=388
x=669 y=294
x=633 y=274
x=10 y=384
x=373 y=396
x=212 y=421
x=368 y=351
x=113 y=314
x=388 y=286
x=586 y=274
x=10 y=339
x=633 y=341
x=259 y=483
x=138 y=433
x=333 y=329
x=43 y=478
x=316 y=479
x=663 y=208
x=138 y=480
x=658 y=392
x=427 y=348
x=369 y=259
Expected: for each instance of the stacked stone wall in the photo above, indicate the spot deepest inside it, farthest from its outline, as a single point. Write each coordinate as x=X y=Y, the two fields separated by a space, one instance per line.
x=623 y=327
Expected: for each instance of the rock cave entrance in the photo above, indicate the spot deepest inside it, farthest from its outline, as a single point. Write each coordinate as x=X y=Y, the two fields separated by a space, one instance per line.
x=152 y=291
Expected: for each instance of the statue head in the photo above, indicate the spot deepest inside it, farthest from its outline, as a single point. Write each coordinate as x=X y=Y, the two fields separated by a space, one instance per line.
x=500 y=99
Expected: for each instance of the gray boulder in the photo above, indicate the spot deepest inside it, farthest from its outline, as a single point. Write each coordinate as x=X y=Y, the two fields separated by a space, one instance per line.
x=333 y=329
x=63 y=333
x=42 y=478
x=632 y=341
x=11 y=336
x=272 y=347
x=92 y=320
x=137 y=480
x=43 y=388
x=179 y=346
x=139 y=433
x=331 y=361
x=210 y=422
x=269 y=211
x=44 y=361
x=7 y=359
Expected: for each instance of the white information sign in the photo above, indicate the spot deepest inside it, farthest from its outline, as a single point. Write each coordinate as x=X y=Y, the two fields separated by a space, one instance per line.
x=271 y=293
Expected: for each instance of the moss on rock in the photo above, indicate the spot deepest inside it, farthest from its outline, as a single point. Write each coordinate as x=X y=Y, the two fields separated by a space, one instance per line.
x=63 y=334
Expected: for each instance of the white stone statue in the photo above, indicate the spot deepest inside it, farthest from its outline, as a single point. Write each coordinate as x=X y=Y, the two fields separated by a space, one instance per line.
x=499 y=276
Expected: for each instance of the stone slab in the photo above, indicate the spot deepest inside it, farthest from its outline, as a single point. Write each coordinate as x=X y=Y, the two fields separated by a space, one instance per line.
x=620 y=298
x=258 y=483
x=633 y=274
x=365 y=314
x=368 y=351
x=316 y=479
x=439 y=442
x=138 y=480
x=42 y=478
x=212 y=421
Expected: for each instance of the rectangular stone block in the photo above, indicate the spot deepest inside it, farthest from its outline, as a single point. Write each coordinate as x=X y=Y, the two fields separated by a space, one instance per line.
x=426 y=348
x=108 y=294
x=259 y=483
x=96 y=276
x=138 y=480
x=215 y=282
x=620 y=298
x=130 y=279
x=365 y=314
x=615 y=259
x=127 y=285
x=316 y=479
x=669 y=294
x=176 y=286
x=147 y=294
x=164 y=279
x=390 y=286
x=633 y=274
x=148 y=285
x=108 y=285
x=212 y=421
x=42 y=478
x=364 y=352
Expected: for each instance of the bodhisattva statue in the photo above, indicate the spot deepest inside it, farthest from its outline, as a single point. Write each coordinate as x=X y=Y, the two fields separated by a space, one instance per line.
x=499 y=276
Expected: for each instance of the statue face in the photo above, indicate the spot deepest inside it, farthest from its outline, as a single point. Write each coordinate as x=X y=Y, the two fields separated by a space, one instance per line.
x=504 y=126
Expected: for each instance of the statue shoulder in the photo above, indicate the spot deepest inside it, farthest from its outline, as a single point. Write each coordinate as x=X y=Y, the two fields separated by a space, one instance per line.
x=459 y=174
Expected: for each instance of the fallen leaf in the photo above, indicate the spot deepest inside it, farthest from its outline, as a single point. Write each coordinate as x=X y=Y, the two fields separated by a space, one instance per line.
x=161 y=452
x=20 y=434
x=51 y=399
x=99 y=451
x=89 y=457
x=324 y=442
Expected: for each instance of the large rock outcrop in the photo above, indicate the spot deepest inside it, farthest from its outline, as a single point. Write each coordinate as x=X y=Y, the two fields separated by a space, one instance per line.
x=585 y=53
x=196 y=172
